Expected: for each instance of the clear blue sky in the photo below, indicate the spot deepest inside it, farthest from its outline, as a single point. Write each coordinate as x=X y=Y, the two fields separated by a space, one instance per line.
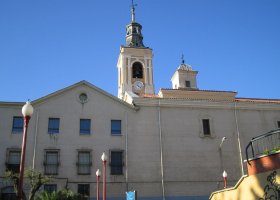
x=46 y=45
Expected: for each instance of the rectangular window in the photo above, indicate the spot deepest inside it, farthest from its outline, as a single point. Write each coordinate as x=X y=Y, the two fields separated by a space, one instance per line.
x=84 y=162
x=53 y=125
x=17 y=124
x=13 y=160
x=51 y=162
x=7 y=193
x=85 y=126
x=116 y=127
x=84 y=190
x=206 y=126
x=116 y=162
x=50 y=188
x=188 y=84
x=278 y=124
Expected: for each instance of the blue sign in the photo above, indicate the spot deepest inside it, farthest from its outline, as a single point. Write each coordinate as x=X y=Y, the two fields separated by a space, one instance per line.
x=130 y=195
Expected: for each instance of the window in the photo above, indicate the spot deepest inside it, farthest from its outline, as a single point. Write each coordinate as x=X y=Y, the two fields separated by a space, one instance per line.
x=137 y=70
x=8 y=193
x=116 y=162
x=51 y=162
x=84 y=162
x=83 y=189
x=17 y=124
x=116 y=127
x=85 y=126
x=206 y=126
x=188 y=84
x=13 y=160
x=50 y=188
x=278 y=124
x=53 y=125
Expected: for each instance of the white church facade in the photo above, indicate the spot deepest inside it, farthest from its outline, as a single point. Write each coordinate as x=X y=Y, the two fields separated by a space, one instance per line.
x=164 y=146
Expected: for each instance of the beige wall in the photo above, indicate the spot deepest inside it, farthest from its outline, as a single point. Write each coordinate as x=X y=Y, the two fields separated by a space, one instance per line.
x=192 y=163
x=248 y=188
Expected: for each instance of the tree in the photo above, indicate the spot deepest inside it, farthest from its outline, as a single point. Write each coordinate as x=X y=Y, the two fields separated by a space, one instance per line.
x=36 y=180
x=14 y=178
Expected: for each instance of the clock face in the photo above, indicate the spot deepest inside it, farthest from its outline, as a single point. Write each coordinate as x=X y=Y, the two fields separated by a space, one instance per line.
x=138 y=85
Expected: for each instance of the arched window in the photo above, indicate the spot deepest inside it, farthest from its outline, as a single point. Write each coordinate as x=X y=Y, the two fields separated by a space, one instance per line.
x=137 y=70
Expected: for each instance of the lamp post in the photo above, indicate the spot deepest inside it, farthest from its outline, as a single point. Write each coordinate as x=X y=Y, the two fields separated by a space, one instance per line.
x=221 y=144
x=225 y=179
x=98 y=173
x=104 y=160
x=27 y=111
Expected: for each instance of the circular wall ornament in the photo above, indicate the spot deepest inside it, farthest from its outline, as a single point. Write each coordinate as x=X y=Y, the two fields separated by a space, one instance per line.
x=83 y=97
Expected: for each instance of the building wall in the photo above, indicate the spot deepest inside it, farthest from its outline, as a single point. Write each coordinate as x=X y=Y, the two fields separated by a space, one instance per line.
x=165 y=150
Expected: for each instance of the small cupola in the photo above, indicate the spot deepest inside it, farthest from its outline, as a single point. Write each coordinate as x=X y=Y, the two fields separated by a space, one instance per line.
x=134 y=36
x=184 y=77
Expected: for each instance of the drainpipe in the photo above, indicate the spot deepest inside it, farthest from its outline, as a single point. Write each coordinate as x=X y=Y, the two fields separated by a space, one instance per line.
x=238 y=140
x=126 y=152
x=35 y=140
x=161 y=152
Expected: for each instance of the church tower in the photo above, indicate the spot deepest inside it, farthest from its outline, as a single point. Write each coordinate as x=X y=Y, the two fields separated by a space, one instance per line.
x=184 y=77
x=135 y=66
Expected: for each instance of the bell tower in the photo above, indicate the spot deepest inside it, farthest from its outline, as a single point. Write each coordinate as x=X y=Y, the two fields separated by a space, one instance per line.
x=135 y=66
x=184 y=77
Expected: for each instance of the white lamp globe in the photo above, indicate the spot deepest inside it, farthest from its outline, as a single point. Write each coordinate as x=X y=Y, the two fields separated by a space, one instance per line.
x=27 y=109
x=98 y=172
x=104 y=157
x=224 y=174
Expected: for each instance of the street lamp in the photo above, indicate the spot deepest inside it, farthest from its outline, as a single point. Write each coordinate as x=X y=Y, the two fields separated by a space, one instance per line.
x=98 y=173
x=223 y=139
x=104 y=159
x=225 y=179
x=27 y=111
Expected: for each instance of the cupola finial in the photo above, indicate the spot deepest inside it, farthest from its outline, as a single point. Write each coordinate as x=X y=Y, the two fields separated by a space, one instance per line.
x=133 y=11
x=183 y=60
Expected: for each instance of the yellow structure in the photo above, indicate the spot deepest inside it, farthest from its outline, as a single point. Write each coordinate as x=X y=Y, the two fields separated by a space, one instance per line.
x=255 y=187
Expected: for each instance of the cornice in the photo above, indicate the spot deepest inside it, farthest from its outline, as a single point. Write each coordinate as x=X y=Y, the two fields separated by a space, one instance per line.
x=207 y=104
x=11 y=104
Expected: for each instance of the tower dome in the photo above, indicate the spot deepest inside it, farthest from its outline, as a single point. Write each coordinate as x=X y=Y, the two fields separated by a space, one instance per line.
x=134 y=36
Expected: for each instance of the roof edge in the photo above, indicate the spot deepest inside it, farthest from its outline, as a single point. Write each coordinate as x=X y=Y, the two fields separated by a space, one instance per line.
x=83 y=82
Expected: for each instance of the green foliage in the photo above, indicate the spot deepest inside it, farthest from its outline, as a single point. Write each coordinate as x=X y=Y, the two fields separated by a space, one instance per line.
x=36 y=180
x=14 y=178
x=266 y=152
x=274 y=150
x=48 y=196
x=60 y=195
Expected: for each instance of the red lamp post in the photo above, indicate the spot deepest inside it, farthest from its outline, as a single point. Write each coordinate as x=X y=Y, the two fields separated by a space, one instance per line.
x=98 y=173
x=27 y=111
x=225 y=179
x=104 y=160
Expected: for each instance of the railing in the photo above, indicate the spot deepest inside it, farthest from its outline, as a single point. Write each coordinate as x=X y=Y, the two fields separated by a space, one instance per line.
x=263 y=145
